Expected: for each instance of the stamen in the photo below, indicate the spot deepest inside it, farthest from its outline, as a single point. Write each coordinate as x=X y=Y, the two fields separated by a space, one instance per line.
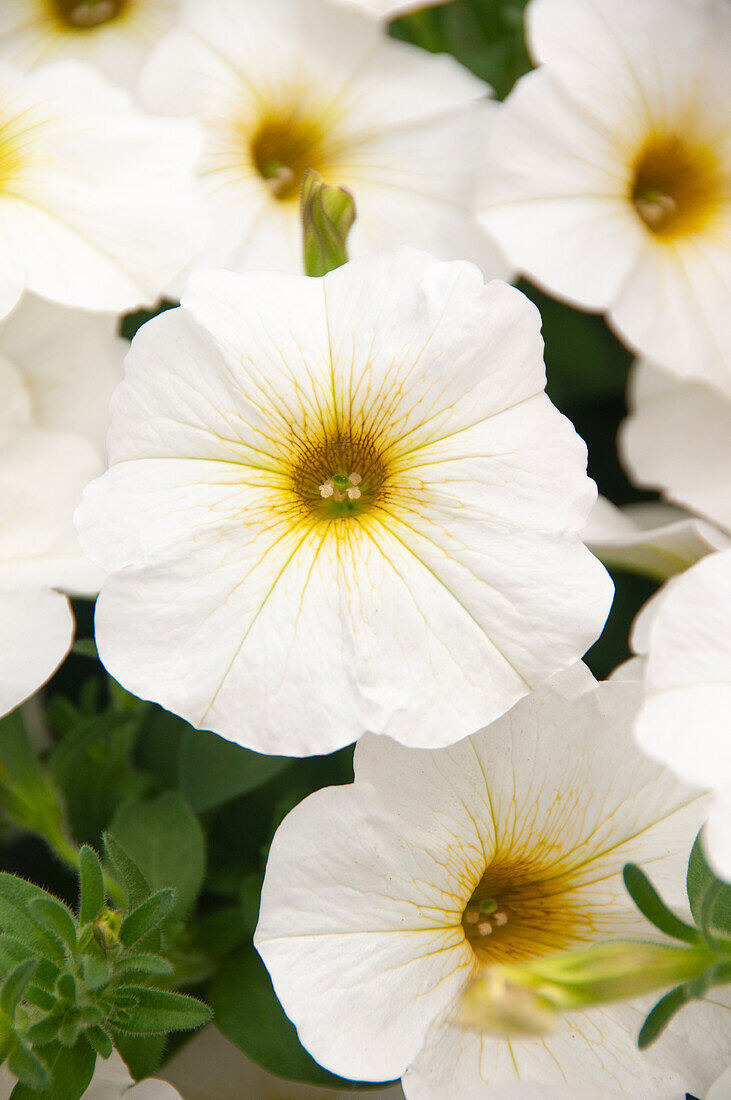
x=340 y=487
x=485 y=928
x=279 y=179
x=500 y=918
x=91 y=13
x=655 y=208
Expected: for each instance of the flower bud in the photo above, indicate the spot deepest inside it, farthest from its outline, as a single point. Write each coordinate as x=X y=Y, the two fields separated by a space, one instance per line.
x=526 y=999
x=328 y=214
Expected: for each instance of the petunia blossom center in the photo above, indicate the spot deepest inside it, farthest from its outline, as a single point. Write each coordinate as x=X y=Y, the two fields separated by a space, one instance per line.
x=339 y=476
x=284 y=145
x=675 y=186
x=523 y=908
x=87 y=14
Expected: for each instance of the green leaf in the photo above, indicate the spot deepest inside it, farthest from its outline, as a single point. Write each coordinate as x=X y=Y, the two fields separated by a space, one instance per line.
x=248 y=1013
x=146 y=917
x=12 y=951
x=43 y=1031
x=213 y=771
x=661 y=1015
x=160 y=1010
x=70 y=1068
x=86 y=647
x=28 y=1068
x=143 y=1054
x=136 y=886
x=91 y=885
x=144 y=964
x=95 y=769
x=651 y=905
x=100 y=1041
x=96 y=971
x=165 y=839
x=709 y=897
x=15 y=894
x=14 y=986
x=66 y=988
x=52 y=915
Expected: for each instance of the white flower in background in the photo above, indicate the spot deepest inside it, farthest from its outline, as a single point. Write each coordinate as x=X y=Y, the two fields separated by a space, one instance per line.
x=685 y=720
x=209 y=1067
x=289 y=84
x=36 y=632
x=342 y=504
x=677 y=438
x=388 y=9
x=97 y=201
x=111 y=1081
x=58 y=368
x=382 y=899
x=654 y=538
x=113 y=35
x=609 y=179
x=721 y=1089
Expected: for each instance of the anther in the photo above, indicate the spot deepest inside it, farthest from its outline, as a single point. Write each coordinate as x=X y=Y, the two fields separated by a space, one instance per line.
x=484 y=928
x=340 y=487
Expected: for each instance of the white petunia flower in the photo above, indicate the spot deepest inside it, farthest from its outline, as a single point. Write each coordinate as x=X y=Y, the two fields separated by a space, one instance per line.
x=684 y=721
x=677 y=438
x=111 y=1081
x=113 y=35
x=36 y=632
x=289 y=84
x=255 y=594
x=209 y=1067
x=721 y=1089
x=97 y=201
x=609 y=180
x=391 y=9
x=382 y=900
x=58 y=368
x=654 y=539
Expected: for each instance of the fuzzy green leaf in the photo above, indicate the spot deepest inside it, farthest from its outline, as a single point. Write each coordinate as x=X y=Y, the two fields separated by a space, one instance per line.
x=66 y=988
x=15 y=894
x=91 y=885
x=96 y=971
x=14 y=986
x=28 y=1068
x=651 y=905
x=160 y=1010
x=136 y=886
x=709 y=897
x=144 y=964
x=43 y=1031
x=146 y=917
x=53 y=916
x=661 y=1015
x=70 y=1069
x=100 y=1041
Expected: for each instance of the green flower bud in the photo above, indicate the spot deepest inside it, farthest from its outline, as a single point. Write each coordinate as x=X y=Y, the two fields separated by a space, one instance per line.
x=328 y=214
x=526 y=999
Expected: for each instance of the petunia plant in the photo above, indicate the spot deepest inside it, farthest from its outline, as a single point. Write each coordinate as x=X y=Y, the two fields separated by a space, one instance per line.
x=77 y=984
